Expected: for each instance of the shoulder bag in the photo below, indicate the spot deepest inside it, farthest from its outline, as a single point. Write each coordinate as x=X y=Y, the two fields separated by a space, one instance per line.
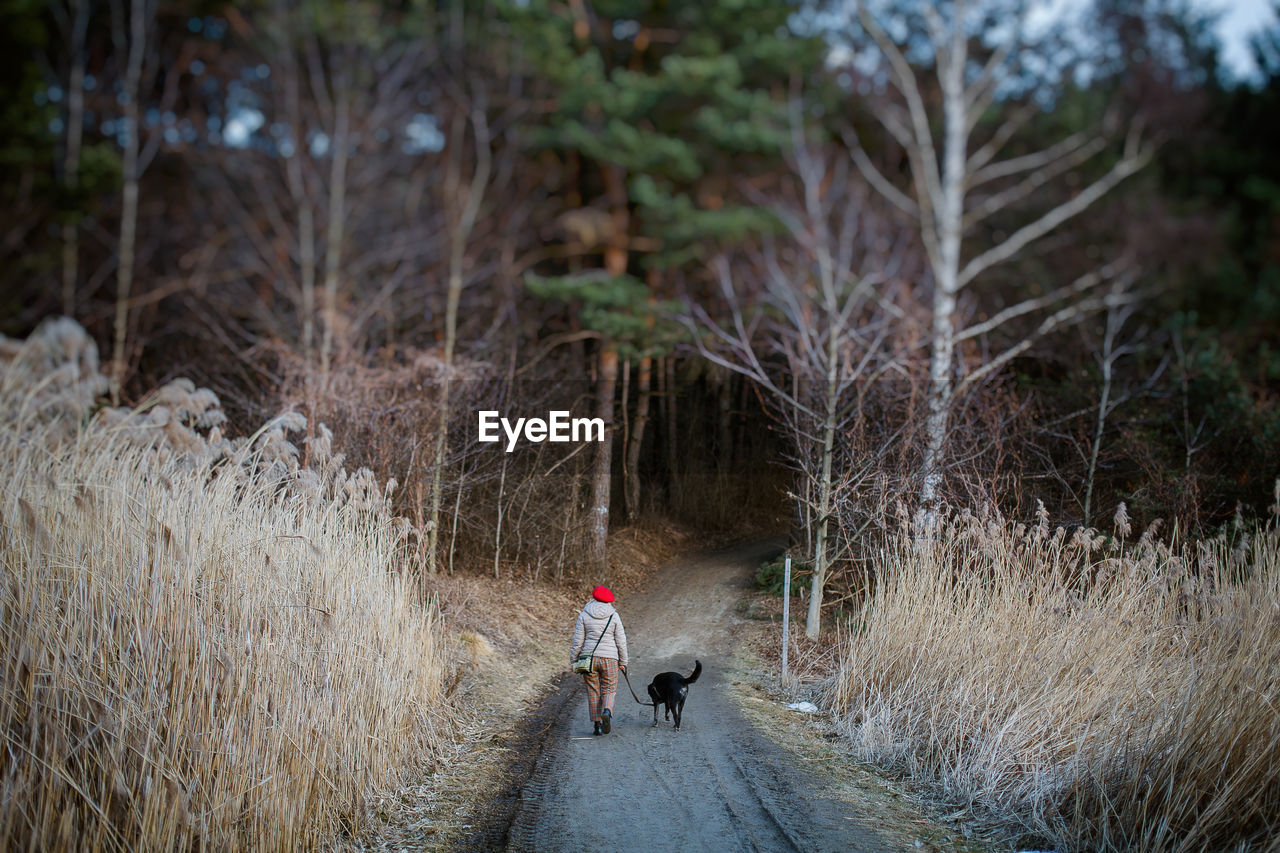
x=586 y=663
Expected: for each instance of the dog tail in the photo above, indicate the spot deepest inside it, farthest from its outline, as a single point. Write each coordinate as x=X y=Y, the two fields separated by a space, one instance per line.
x=697 y=670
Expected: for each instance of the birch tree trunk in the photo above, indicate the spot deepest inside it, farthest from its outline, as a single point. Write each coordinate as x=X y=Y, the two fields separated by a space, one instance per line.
x=951 y=194
x=1100 y=424
x=1120 y=308
x=813 y=622
x=949 y=214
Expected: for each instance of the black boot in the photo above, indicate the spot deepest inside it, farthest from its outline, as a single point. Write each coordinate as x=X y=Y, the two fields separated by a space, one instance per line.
x=606 y=717
x=597 y=731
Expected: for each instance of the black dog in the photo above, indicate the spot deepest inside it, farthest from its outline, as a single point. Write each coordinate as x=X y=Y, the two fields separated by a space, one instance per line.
x=670 y=689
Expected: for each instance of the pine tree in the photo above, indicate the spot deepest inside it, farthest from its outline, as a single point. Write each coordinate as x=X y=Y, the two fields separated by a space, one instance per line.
x=663 y=112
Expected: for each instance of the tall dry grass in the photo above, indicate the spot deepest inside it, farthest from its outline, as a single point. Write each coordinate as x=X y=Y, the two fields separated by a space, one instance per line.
x=1088 y=693
x=201 y=643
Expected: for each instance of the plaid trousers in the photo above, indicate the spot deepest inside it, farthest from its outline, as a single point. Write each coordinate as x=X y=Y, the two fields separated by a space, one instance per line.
x=602 y=684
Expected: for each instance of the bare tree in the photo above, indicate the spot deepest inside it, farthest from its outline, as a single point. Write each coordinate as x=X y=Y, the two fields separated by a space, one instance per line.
x=957 y=183
x=820 y=330
x=323 y=208
x=1119 y=311
x=461 y=225
x=137 y=49
x=1193 y=437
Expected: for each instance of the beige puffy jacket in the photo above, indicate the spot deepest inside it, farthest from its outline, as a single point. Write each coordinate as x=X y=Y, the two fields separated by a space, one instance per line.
x=591 y=621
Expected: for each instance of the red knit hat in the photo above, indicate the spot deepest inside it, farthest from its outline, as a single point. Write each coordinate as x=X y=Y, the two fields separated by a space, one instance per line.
x=601 y=593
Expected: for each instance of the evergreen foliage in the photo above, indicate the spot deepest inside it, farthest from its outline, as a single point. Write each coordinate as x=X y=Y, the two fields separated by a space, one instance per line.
x=619 y=307
x=688 y=99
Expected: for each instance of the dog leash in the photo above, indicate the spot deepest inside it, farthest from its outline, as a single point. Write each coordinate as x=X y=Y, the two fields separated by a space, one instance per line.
x=633 y=691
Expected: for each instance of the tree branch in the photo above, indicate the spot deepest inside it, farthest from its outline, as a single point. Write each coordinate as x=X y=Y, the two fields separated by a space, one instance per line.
x=1069 y=314
x=998 y=201
x=1055 y=217
x=1080 y=285
x=1035 y=160
x=905 y=81
x=876 y=178
x=1003 y=134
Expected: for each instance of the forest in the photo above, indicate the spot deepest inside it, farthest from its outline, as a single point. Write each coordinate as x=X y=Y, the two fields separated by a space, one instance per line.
x=953 y=295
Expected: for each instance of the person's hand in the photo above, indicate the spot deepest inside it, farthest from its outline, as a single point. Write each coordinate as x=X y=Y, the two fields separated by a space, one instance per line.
x=623 y=667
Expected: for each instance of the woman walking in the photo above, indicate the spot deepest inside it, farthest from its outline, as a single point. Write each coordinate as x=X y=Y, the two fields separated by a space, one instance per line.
x=599 y=635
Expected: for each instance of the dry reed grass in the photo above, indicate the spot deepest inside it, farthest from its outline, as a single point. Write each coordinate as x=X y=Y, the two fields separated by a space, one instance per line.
x=201 y=643
x=1087 y=693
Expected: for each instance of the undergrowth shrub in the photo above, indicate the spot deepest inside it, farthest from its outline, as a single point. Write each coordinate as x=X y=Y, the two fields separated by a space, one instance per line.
x=203 y=643
x=771 y=576
x=1087 y=692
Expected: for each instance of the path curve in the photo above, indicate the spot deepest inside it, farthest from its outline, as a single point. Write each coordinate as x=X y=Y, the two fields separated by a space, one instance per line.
x=716 y=785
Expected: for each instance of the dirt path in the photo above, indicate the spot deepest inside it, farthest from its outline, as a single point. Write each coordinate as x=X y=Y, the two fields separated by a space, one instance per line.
x=717 y=784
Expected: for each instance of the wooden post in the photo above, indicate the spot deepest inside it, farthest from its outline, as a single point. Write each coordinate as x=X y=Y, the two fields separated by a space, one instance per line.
x=786 y=615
